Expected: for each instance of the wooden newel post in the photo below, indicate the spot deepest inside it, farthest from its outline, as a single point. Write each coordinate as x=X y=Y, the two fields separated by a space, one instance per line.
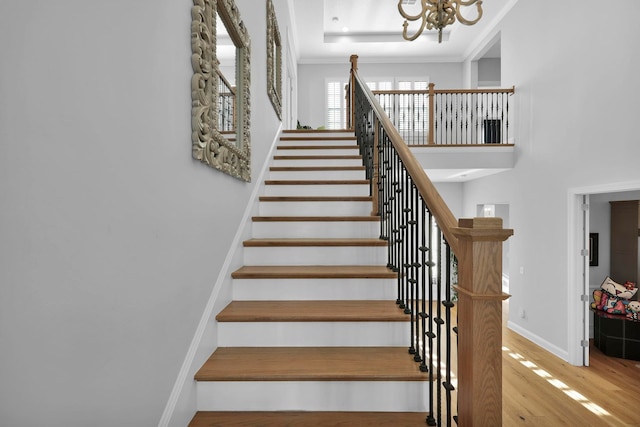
x=480 y=299
x=351 y=111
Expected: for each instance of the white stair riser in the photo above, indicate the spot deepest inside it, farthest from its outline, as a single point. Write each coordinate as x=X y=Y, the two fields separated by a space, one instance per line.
x=315 y=255
x=298 y=139
x=386 y=396
x=315 y=208
x=318 y=152
x=317 y=190
x=316 y=162
x=317 y=175
x=314 y=289
x=316 y=334
x=310 y=229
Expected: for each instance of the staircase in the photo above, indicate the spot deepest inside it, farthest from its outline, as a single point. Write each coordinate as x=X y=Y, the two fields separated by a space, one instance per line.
x=313 y=335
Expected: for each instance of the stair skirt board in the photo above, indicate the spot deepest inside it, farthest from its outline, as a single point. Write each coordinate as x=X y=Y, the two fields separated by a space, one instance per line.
x=313 y=334
x=315 y=255
x=314 y=289
x=386 y=396
x=315 y=229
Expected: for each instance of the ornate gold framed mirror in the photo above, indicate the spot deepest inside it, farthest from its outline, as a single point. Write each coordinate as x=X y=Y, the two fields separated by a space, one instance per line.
x=274 y=60
x=220 y=111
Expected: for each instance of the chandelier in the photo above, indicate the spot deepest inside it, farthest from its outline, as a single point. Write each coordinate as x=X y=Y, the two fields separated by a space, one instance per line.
x=437 y=14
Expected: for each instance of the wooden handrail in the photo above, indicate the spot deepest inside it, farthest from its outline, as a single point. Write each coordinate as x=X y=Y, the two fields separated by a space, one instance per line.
x=226 y=82
x=443 y=215
x=441 y=91
x=401 y=92
x=508 y=90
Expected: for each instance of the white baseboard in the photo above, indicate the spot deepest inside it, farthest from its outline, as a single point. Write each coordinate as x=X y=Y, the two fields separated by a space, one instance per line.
x=224 y=276
x=557 y=351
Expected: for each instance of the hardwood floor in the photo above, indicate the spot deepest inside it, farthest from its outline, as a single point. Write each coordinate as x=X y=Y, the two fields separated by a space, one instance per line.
x=540 y=389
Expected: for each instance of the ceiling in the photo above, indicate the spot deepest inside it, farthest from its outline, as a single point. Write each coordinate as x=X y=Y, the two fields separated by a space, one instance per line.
x=329 y=31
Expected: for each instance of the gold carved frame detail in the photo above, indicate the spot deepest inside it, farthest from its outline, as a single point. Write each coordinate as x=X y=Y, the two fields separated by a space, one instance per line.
x=210 y=146
x=274 y=60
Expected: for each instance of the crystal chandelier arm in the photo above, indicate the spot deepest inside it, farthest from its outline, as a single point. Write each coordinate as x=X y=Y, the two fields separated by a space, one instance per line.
x=465 y=3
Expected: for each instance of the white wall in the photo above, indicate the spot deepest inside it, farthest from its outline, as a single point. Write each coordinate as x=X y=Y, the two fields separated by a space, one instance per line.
x=575 y=126
x=312 y=80
x=453 y=196
x=489 y=72
x=111 y=235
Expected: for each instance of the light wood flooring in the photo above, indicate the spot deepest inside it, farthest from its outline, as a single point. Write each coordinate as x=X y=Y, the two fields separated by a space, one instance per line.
x=540 y=389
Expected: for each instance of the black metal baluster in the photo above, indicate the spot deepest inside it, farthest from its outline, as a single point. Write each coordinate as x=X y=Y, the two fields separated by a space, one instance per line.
x=422 y=297
x=415 y=265
x=431 y=420
x=405 y=238
x=381 y=183
x=387 y=200
x=410 y=246
x=438 y=321
x=448 y=305
x=397 y=241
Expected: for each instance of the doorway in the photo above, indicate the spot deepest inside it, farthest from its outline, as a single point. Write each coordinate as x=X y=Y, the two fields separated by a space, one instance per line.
x=589 y=213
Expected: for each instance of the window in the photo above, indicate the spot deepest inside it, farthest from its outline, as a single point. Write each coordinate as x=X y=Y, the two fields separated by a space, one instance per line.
x=380 y=85
x=413 y=114
x=336 y=110
x=408 y=112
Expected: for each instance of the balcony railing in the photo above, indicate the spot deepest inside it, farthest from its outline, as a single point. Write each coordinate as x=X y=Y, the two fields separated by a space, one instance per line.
x=426 y=244
x=449 y=117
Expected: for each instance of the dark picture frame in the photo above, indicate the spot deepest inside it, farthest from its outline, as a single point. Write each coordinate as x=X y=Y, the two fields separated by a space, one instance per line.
x=593 y=249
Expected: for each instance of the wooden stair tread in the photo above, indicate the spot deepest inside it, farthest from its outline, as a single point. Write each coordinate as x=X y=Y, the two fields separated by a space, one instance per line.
x=315 y=198
x=316 y=182
x=314 y=271
x=363 y=218
x=312 y=311
x=304 y=418
x=311 y=364
x=288 y=242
